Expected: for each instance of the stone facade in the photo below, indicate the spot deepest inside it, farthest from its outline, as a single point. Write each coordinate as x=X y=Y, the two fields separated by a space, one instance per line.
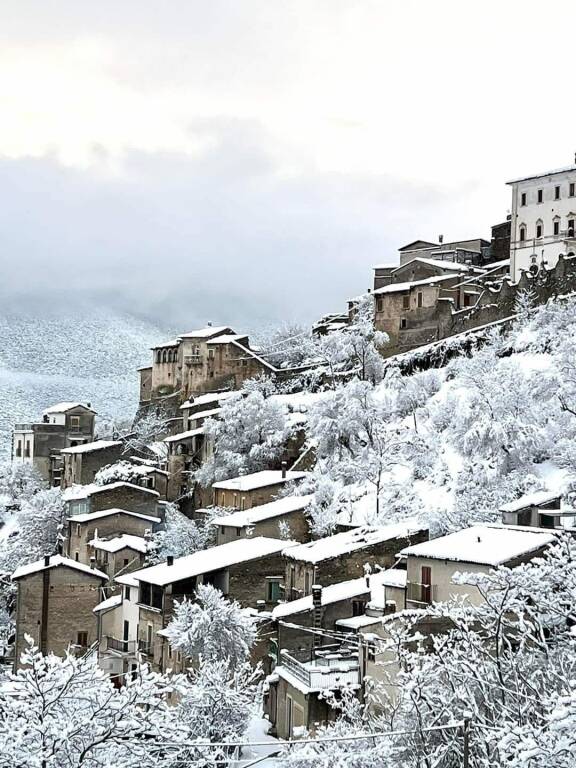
x=55 y=607
x=297 y=522
x=80 y=464
x=80 y=533
x=114 y=496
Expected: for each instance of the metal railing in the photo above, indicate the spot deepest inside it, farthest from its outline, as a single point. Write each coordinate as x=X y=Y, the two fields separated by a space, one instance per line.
x=122 y=646
x=313 y=675
x=193 y=359
x=145 y=647
x=417 y=592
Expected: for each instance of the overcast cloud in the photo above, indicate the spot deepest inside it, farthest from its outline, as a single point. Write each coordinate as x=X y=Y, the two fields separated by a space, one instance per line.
x=248 y=161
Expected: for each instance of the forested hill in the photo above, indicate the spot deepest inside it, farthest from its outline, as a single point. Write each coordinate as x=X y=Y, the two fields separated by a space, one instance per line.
x=91 y=356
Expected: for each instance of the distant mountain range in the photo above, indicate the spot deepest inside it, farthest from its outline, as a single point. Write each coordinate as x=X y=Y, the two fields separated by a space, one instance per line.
x=90 y=357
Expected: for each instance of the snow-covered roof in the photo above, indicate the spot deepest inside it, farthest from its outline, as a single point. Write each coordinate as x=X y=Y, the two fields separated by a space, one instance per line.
x=387 y=266
x=125 y=541
x=482 y=544
x=350 y=541
x=126 y=579
x=449 y=265
x=335 y=593
x=171 y=343
x=85 y=491
x=97 y=445
x=258 y=480
x=209 y=397
x=406 y=286
x=67 y=406
x=228 y=338
x=357 y=622
x=530 y=500
x=253 y=354
x=55 y=562
x=542 y=175
x=89 y=516
x=208 y=332
x=204 y=414
x=106 y=605
x=213 y=559
x=264 y=511
x=184 y=435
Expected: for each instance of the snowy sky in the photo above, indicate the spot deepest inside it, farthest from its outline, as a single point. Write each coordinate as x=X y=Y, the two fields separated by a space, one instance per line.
x=243 y=161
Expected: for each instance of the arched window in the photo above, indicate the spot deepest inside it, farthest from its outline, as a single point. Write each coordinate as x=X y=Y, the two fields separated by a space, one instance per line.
x=539 y=229
x=522 y=232
x=556 y=225
x=159 y=356
x=165 y=356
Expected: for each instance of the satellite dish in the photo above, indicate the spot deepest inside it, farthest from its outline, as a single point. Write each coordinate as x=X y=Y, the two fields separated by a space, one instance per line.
x=534 y=269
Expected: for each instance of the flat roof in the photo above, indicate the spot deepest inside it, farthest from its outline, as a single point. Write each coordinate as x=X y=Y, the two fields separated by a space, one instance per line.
x=276 y=508
x=89 y=516
x=55 y=562
x=97 y=445
x=543 y=175
x=482 y=545
x=350 y=541
x=213 y=559
x=259 y=480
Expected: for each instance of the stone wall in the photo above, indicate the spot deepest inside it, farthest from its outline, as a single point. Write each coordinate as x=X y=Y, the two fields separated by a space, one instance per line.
x=297 y=521
x=247 y=581
x=126 y=497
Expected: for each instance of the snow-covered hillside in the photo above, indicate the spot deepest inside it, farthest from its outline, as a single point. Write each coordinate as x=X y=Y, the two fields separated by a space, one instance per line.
x=91 y=357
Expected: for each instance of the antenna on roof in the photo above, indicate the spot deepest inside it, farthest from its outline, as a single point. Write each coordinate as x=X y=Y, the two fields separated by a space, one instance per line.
x=209 y=323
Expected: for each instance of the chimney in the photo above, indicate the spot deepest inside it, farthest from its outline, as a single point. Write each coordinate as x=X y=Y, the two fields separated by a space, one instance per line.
x=88 y=405
x=170 y=560
x=479 y=539
x=209 y=324
x=440 y=239
x=283 y=470
x=46 y=560
x=260 y=605
x=389 y=607
x=93 y=563
x=317 y=614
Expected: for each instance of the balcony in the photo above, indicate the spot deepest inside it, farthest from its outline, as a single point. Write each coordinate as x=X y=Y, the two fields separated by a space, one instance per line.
x=327 y=670
x=120 y=646
x=193 y=360
x=423 y=594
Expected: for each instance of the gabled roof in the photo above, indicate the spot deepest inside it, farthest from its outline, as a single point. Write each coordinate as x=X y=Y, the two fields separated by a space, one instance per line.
x=446 y=265
x=350 y=541
x=89 y=516
x=259 y=480
x=184 y=435
x=276 y=508
x=213 y=559
x=107 y=605
x=407 y=285
x=97 y=445
x=531 y=500
x=417 y=244
x=56 y=561
x=208 y=332
x=209 y=397
x=85 y=491
x=482 y=545
x=67 y=406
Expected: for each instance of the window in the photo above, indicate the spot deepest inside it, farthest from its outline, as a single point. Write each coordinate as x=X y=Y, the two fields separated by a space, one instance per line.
x=78 y=529
x=406 y=301
x=307 y=583
x=403 y=322
x=358 y=607
x=570 y=227
x=556 y=227
x=222 y=530
x=379 y=305
x=540 y=195
x=150 y=594
x=243 y=502
x=523 y=199
x=572 y=189
x=83 y=639
x=522 y=233
x=210 y=354
x=556 y=193
x=238 y=531
x=273 y=590
x=126 y=593
x=19 y=448
x=27 y=449
x=75 y=423
x=76 y=556
x=419 y=299
x=539 y=229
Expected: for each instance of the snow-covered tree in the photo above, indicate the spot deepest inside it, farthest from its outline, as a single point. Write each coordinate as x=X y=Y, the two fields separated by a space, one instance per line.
x=67 y=713
x=250 y=434
x=121 y=471
x=180 y=536
x=213 y=628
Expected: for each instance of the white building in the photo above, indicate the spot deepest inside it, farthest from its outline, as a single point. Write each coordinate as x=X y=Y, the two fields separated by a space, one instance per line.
x=543 y=220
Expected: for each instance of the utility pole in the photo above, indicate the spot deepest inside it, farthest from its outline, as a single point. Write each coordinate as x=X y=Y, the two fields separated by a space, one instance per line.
x=466 y=741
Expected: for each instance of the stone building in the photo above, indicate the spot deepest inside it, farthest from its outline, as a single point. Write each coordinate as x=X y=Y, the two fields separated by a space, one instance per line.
x=463 y=251
x=283 y=518
x=543 y=220
x=249 y=491
x=117 y=620
x=344 y=556
x=82 y=462
x=63 y=425
x=542 y=509
x=85 y=529
x=119 y=554
x=55 y=602
x=206 y=360
x=84 y=499
x=242 y=570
